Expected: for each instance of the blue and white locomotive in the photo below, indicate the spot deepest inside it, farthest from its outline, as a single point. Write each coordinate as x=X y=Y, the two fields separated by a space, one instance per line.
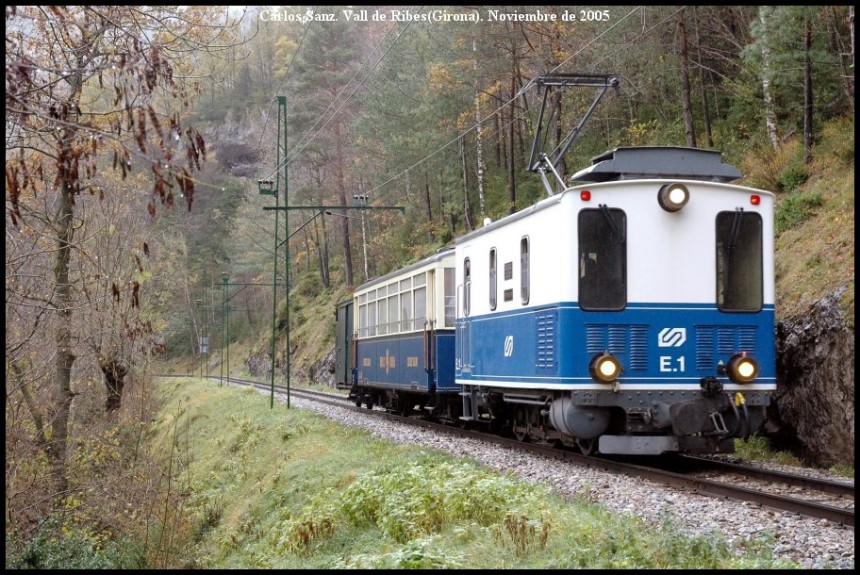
x=634 y=313
x=631 y=313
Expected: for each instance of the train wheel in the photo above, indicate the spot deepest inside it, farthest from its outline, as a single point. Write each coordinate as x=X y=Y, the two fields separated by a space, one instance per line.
x=587 y=446
x=369 y=400
x=520 y=427
x=358 y=399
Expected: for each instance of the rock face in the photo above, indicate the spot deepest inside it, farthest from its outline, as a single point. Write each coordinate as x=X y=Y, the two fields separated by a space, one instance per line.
x=259 y=364
x=813 y=411
x=322 y=372
x=318 y=373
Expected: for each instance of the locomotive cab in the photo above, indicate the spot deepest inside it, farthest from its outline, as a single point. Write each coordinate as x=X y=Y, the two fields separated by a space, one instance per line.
x=631 y=313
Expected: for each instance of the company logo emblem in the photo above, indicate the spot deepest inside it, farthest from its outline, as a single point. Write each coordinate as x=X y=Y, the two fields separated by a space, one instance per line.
x=672 y=337
x=509 y=346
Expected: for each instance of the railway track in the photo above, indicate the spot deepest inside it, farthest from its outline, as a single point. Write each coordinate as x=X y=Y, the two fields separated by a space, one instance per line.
x=806 y=496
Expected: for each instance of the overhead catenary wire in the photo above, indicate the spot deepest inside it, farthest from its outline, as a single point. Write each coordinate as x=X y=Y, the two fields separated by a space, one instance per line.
x=290 y=157
x=501 y=107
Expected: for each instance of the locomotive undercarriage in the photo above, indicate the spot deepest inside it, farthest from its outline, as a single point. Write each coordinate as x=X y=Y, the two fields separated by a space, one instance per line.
x=646 y=423
x=396 y=401
x=643 y=423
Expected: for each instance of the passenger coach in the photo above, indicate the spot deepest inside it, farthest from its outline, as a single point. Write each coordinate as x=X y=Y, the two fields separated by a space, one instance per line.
x=404 y=336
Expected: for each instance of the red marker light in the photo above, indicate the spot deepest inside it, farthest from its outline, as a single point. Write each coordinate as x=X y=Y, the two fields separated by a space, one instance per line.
x=585 y=195
x=755 y=199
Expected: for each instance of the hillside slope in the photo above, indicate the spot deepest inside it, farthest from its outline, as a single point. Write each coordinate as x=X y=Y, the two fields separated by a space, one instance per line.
x=815 y=256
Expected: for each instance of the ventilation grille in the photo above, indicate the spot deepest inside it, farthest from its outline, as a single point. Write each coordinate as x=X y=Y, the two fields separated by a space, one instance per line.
x=627 y=341
x=720 y=342
x=546 y=328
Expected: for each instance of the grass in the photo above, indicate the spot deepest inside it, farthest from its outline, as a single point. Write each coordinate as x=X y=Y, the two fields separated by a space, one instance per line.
x=757 y=448
x=795 y=208
x=288 y=489
x=844 y=470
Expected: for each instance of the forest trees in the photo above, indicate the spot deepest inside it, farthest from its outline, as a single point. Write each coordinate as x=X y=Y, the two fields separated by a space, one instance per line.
x=95 y=139
x=444 y=120
x=801 y=56
x=325 y=80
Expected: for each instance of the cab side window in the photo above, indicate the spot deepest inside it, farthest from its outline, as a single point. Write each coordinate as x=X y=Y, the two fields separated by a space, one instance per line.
x=602 y=259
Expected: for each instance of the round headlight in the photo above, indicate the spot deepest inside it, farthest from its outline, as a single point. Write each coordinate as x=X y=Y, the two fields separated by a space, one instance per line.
x=604 y=368
x=742 y=368
x=673 y=197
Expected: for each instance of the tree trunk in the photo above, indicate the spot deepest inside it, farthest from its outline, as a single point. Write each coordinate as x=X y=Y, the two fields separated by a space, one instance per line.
x=769 y=114
x=851 y=26
x=847 y=70
x=512 y=172
x=555 y=99
x=807 y=91
x=467 y=207
x=114 y=378
x=706 y=109
x=689 y=127
x=39 y=427
x=306 y=236
x=341 y=188
x=497 y=124
x=524 y=149
x=63 y=337
x=320 y=231
x=429 y=208
x=480 y=166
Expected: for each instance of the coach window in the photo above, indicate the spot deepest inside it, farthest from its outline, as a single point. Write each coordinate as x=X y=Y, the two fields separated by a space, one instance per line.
x=493 y=276
x=406 y=305
x=362 y=315
x=419 y=284
x=393 y=315
x=524 y=270
x=467 y=286
x=602 y=259
x=382 y=310
x=371 y=316
x=739 y=261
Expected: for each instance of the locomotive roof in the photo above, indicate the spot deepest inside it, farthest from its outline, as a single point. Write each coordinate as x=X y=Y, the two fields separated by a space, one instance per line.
x=639 y=163
x=657 y=162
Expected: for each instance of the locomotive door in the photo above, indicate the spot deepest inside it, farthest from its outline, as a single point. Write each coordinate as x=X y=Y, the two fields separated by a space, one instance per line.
x=464 y=345
x=464 y=323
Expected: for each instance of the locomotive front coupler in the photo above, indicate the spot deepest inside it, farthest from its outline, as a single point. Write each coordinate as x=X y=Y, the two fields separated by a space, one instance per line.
x=711 y=386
